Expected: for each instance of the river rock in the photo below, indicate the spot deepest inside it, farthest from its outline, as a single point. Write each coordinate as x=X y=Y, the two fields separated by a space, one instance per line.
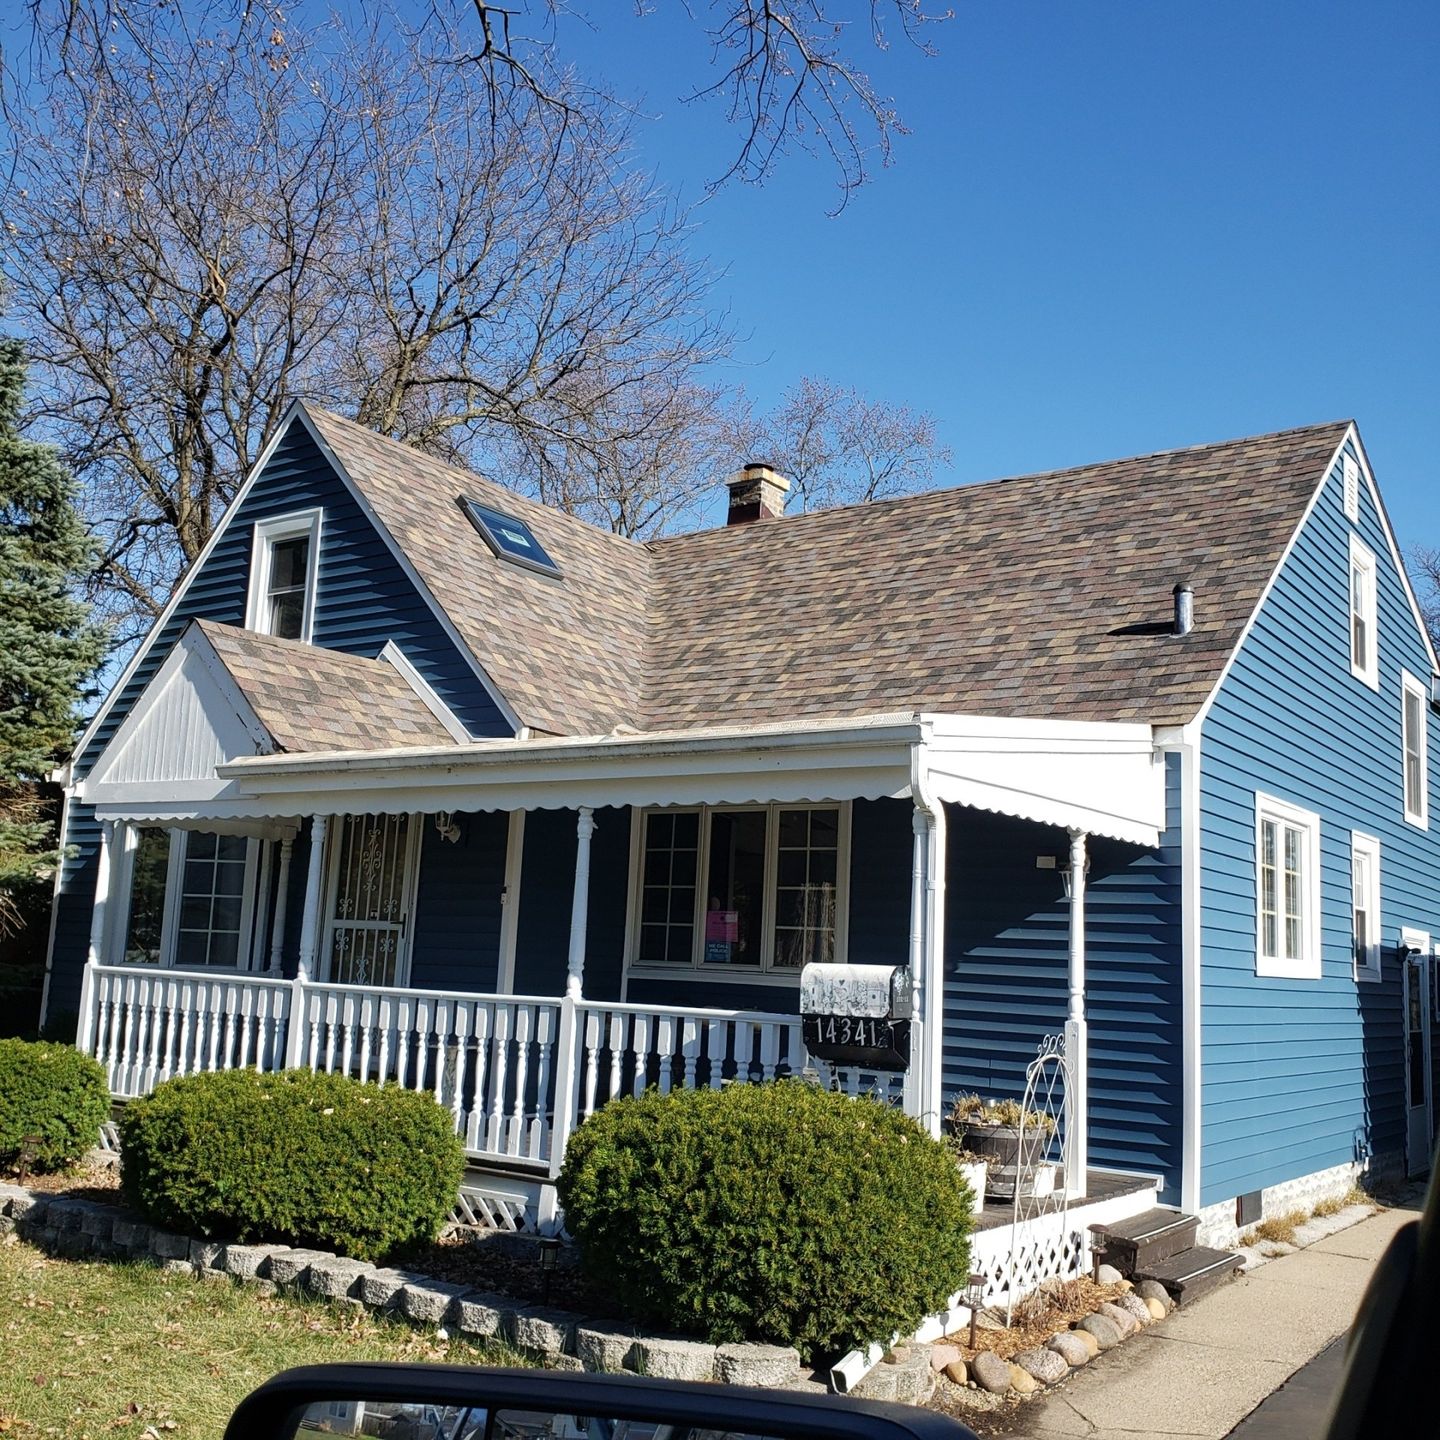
x=1043 y=1365
x=991 y=1373
x=1071 y=1348
x=1125 y=1322
x=957 y=1372
x=1134 y=1305
x=1091 y=1344
x=1022 y=1381
x=1156 y=1309
x=1108 y=1275
x=1104 y=1329
x=1154 y=1290
x=942 y=1355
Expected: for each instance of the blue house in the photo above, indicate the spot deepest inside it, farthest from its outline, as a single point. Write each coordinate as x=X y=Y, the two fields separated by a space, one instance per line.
x=422 y=781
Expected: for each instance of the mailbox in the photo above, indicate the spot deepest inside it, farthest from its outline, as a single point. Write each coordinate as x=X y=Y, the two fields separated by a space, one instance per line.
x=857 y=1014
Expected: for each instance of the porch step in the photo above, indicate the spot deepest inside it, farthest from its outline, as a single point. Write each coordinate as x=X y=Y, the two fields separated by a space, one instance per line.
x=1193 y=1272
x=1145 y=1239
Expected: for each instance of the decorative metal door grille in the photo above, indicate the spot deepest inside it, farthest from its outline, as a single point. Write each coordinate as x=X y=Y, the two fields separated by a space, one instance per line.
x=371 y=890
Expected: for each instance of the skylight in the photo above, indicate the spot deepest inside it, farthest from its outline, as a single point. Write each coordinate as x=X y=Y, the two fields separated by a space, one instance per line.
x=509 y=538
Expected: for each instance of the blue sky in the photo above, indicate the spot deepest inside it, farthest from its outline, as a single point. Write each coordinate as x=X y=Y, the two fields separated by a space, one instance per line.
x=1116 y=227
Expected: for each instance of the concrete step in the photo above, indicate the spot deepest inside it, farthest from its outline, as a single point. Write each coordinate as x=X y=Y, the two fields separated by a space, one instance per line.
x=1193 y=1272
x=1145 y=1239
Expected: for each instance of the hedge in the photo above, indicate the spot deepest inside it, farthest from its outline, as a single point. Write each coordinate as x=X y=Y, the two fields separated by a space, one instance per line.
x=778 y=1212
x=54 y=1093
x=293 y=1157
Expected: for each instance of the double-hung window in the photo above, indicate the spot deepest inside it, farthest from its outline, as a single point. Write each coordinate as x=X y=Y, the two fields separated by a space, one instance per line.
x=741 y=889
x=1414 y=703
x=1364 y=653
x=1287 y=890
x=284 y=564
x=1365 y=904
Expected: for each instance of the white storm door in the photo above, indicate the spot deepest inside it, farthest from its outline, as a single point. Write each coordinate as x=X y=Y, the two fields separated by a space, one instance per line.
x=1417 y=1056
x=372 y=886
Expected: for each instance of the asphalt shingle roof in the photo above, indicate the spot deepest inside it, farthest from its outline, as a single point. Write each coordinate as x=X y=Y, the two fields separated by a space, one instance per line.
x=1041 y=595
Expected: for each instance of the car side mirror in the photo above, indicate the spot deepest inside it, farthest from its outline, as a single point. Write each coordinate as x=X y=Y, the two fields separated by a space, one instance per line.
x=452 y=1402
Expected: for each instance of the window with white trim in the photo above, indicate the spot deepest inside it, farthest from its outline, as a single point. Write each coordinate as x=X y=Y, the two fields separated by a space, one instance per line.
x=1364 y=651
x=742 y=889
x=1352 y=489
x=1414 y=703
x=1365 y=904
x=284 y=565
x=1287 y=890
x=191 y=900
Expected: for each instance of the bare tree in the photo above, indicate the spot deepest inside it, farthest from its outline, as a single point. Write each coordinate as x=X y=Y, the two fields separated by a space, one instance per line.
x=1426 y=562
x=200 y=230
x=838 y=446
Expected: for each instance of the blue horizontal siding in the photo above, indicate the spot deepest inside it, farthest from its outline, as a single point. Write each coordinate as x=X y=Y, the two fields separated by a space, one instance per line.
x=458 y=904
x=363 y=599
x=1301 y=1075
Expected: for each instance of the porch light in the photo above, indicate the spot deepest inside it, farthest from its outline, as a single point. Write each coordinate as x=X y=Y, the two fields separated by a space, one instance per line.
x=447 y=826
x=1063 y=865
x=549 y=1248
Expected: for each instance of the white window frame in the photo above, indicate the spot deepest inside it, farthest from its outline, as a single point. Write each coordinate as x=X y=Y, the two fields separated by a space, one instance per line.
x=1409 y=685
x=1367 y=846
x=245 y=955
x=1351 y=470
x=1306 y=966
x=1362 y=558
x=765 y=972
x=267 y=534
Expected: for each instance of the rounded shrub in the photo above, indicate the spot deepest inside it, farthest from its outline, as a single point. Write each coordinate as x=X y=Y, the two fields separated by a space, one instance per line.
x=775 y=1212
x=293 y=1157
x=53 y=1094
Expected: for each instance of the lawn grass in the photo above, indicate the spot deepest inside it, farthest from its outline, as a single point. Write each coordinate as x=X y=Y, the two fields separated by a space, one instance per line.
x=98 y=1349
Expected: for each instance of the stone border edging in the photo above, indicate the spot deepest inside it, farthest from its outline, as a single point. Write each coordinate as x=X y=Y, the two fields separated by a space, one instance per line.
x=74 y=1229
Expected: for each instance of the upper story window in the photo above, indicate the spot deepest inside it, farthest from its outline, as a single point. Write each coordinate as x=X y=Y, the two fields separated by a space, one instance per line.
x=758 y=888
x=1352 y=489
x=1364 y=651
x=1287 y=890
x=1365 y=904
x=1413 y=721
x=284 y=563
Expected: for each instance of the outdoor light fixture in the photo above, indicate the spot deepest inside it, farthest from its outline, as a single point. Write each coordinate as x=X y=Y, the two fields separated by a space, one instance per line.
x=549 y=1247
x=975 y=1298
x=447 y=826
x=1063 y=866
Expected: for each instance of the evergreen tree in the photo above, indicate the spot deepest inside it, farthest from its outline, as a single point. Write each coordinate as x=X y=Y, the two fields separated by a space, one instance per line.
x=49 y=646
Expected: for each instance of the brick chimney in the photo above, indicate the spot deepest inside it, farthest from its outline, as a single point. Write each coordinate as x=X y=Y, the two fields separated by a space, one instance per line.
x=756 y=493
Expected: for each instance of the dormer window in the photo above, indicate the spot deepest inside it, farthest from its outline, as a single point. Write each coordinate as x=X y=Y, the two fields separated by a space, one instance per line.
x=284 y=563
x=1364 y=658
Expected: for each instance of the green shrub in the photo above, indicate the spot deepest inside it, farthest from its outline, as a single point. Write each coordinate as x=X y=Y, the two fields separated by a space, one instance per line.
x=767 y=1212
x=294 y=1157
x=53 y=1092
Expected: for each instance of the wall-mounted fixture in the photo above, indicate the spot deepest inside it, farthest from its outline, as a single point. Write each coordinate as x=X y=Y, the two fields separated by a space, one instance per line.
x=447 y=826
x=1064 y=868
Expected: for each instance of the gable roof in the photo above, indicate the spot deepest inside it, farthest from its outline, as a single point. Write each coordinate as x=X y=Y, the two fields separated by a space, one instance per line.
x=310 y=699
x=1041 y=595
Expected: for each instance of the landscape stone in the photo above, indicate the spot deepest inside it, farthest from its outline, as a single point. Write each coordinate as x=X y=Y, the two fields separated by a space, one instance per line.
x=263 y=1287
x=957 y=1372
x=550 y=1332
x=179 y=1267
x=1134 y=1305
x=1070 y=1348
x=72 y=1244
x=336 y=1277
x=1154 y=1290
x=897 y=1355
x=206 y=1254
x=1108 y=1275
x=166 y=1245
x=428 y=1301
x=604 y=1352
x=1125 y=1285
x=1022 y=1381
x=26 y=1206
x=242 y=1260
x=381 y=1288
x=1104 y=1329
x=1088 y=1341
x=130 y=1233
x=290 y=1267
x=64 y=1215
x=99 y=1222
x=216 y=1277
x=562 y=1362
x=991 y=1373
x=880 y=1384
x=674 y=1359
x=1156 y=1309
x=942 y=1355
x=768 y=1365
x=477 y=1312
x=1124 y=1321
x=1043 y=1365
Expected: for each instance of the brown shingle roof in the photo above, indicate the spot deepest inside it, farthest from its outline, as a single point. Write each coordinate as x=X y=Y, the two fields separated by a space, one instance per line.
x=1043 y=595
x=314 y=699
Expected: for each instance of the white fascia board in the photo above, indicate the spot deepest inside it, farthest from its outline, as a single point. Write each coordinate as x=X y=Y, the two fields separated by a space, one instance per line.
x=393 y=655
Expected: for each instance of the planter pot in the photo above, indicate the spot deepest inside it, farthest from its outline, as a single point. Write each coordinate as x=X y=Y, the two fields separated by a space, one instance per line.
x=973 y=1174
x=1007 y=1168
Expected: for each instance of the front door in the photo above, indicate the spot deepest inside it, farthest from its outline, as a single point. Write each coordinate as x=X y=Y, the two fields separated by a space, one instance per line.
x=372 y=864
x=1417 y=1053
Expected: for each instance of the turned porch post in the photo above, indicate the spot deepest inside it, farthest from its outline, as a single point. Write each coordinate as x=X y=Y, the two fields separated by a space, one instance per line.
x=282 y=893
x=580 y=904
x=96 y=955
x=917 y=1076
x=1077 y=1098
x=309 y=940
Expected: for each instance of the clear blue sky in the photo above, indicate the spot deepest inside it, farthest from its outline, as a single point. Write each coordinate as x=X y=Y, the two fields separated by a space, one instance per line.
x=1116 y=227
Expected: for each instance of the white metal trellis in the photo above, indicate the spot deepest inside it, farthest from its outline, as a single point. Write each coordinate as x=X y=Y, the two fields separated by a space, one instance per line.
x=1041 y=1246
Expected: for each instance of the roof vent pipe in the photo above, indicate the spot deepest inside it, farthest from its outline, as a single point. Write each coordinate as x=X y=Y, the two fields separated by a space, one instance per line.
x=1184 y=608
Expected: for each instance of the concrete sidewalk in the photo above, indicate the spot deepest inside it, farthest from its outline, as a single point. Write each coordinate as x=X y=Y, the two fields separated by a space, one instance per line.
x=1200 y=1372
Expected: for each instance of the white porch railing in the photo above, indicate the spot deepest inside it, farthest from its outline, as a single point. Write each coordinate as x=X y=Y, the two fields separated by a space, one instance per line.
x=498 y=1063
